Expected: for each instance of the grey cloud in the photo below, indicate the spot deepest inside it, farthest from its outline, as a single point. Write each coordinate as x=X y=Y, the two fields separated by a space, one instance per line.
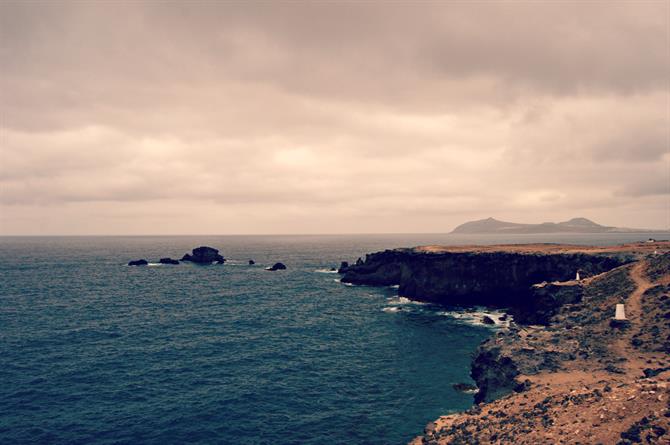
x=321 y=112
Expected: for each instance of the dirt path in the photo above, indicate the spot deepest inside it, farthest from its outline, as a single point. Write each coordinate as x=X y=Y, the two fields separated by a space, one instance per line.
x=634 y=301
x=636 y=360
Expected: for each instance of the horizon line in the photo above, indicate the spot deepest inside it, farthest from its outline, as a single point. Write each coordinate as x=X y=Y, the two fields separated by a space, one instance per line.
x=667 y=230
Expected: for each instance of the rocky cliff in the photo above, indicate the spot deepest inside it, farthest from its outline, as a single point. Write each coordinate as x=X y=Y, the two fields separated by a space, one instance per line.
x=491 y=278
x=577 y=379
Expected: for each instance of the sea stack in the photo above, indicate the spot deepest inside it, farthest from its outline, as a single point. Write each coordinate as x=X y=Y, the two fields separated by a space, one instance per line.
x=168 y=261
x=141 y=262
x=277 y=266
x=204 y=255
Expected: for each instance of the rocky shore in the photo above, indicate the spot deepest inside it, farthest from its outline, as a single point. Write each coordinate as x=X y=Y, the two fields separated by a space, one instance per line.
x=560 y=373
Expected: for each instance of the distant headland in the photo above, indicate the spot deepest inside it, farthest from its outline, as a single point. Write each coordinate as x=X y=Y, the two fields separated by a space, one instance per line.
x=575 y=225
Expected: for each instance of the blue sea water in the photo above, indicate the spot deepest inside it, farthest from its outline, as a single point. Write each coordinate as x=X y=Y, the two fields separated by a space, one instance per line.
x=93 y=351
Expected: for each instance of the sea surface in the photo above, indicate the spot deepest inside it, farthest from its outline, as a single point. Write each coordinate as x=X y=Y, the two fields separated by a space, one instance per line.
x=95 y=352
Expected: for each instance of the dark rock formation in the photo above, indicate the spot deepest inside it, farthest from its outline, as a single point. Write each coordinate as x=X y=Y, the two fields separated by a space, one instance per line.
x=499 y=279
x=494 y=373
x=251 y=262
x=204 y=255
x=488 y=320
x=168 y=261
x=465 y=387
x=277 y=266
x=545 y=300
x=343 y=267
x=138 y=263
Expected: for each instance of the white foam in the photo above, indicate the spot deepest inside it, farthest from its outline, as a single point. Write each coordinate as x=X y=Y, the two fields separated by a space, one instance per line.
x=325 y=271
x=338 y=280
x=154 y=264
x=395 y=286
x=391 y=309
x=399 y=301
x=476 y=317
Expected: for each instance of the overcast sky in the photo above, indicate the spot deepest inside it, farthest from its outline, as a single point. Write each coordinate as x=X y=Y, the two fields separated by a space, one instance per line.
x=288 y=117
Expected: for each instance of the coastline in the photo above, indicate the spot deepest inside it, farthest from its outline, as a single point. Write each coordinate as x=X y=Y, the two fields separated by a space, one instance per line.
x=573 y=378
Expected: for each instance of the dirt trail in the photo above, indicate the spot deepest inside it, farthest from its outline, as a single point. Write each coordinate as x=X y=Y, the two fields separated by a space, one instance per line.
x=636 y=360
x=634 y=310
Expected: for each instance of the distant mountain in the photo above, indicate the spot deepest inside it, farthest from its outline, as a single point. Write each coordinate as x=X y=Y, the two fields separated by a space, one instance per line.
x=575 y=225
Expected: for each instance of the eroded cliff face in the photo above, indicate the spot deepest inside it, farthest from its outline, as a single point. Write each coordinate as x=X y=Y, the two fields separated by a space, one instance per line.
x=501 y=279
x=535 y=287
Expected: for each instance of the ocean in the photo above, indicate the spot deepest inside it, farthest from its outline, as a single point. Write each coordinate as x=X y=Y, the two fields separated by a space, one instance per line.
x=93 y=351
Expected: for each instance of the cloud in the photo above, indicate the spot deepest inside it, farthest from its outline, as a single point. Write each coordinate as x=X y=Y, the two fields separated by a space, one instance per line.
x=326 y=116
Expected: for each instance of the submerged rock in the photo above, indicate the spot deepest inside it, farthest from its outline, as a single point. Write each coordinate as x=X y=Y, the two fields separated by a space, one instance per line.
x=277 y=266
x=204 y=255
x=465 y=387
x=141 y=262
x=168 y=261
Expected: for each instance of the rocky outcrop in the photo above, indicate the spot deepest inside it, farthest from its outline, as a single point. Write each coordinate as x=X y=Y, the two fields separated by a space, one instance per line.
x=141 y=262
x=204 y=255
x=277 y=266
x=499 y=279
x=168 y=261
x=343 y=267
x=544 y=301
x=251 y=262
x=494 y=373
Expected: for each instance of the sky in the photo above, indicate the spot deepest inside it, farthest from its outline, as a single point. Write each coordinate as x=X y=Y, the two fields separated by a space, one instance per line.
x=204 y=117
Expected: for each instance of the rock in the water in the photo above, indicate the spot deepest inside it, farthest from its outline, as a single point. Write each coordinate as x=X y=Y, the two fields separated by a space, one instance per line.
x=168 y=261
x=488 y=320
x=251 y=262
x=332 y=269
x=138 y=263
x=344 y=265
x=277 y=266
x=465 y=387
x=204 y=255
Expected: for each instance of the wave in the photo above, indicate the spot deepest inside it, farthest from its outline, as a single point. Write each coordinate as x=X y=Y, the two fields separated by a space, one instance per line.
x=325 y=271
x=476 y=317
x=400 y=301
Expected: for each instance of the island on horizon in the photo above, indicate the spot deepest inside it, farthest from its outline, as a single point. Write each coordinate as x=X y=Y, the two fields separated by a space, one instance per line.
x=574 y=225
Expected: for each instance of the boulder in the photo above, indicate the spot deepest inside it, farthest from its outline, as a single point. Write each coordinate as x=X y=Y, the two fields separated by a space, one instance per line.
x=204 y=255
x=488 y=320
x=168 y=261
x=251 y=262
x=138 y=263
x=277 y=266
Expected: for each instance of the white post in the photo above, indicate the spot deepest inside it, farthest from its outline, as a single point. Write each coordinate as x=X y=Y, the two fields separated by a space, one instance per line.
x=620 y=313
x=577 y=277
